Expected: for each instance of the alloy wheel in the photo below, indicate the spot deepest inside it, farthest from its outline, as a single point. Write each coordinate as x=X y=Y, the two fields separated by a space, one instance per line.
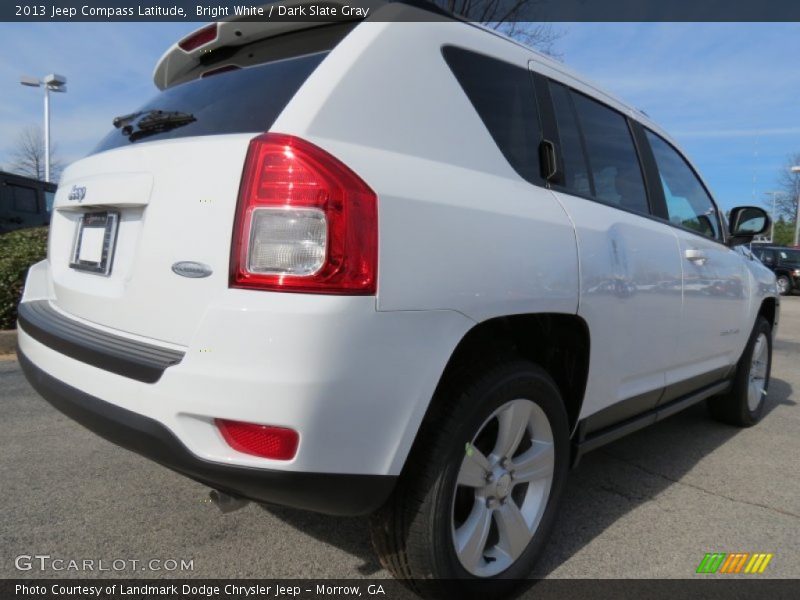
x=502 y=488
x=758 y=372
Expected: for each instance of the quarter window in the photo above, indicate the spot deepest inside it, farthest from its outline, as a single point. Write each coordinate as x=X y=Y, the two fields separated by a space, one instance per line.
x=503 y=97
x=688 y=203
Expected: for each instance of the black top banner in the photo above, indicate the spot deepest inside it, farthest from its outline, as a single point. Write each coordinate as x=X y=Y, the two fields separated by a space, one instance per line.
x=483 y=11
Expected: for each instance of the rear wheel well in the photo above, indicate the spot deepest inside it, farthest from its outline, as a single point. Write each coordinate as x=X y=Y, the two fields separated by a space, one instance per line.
x=556 y=342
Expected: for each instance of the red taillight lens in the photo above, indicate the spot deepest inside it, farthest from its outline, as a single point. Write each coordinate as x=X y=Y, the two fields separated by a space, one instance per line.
x=304 y=222
x=199 y=38
x=277 y=443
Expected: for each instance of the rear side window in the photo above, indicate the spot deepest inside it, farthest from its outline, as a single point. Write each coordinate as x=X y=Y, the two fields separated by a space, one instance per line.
x=688 y=203
x=613 y=162
x=503 y=97
x=600 y=159
x=241 y=101
x=576 y=171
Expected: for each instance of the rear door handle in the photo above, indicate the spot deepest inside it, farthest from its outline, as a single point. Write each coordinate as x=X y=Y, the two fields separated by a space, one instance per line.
x=696 y=256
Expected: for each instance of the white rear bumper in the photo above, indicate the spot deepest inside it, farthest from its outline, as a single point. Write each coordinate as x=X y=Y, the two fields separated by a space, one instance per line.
x=354 y=382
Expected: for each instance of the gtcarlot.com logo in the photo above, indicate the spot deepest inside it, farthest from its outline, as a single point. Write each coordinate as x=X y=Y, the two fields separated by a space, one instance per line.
x=734 y=562
x=46 y=562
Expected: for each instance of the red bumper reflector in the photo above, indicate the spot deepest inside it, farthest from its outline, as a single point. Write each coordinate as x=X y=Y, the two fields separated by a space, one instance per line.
x=277 y=443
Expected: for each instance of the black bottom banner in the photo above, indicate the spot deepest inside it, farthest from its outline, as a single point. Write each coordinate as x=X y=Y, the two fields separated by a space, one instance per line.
x=311 y=589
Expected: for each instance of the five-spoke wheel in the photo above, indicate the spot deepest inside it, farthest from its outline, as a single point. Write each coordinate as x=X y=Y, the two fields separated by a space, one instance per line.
x=502 y=487
x=479 y=492
x=743 y=404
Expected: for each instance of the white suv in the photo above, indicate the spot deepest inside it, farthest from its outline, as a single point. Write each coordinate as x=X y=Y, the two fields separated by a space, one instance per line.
x=448 y=269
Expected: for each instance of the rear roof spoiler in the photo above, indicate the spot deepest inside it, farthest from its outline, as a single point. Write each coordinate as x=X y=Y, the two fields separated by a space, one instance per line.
x=177 y=64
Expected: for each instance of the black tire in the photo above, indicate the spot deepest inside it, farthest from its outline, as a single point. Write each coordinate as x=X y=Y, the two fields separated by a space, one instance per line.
x=784 y=285
x=733 y=407
x=412 y=532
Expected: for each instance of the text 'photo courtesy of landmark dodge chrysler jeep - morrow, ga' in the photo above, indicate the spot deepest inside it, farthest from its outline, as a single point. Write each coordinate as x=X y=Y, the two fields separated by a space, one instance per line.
x=406 y=269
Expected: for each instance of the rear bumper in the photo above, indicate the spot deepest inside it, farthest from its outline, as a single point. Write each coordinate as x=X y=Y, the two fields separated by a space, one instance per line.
x=330 y=493
x=354 y=382
x=131 y=358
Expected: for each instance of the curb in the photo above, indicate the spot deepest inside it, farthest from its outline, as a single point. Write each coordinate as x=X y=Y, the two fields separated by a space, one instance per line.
x=8 y=341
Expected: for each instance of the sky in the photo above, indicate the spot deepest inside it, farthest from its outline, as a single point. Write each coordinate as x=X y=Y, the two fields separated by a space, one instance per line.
x=729 y=93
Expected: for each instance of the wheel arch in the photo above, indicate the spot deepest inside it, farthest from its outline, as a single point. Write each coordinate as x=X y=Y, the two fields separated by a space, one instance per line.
x=769 y=310
x=559 y=343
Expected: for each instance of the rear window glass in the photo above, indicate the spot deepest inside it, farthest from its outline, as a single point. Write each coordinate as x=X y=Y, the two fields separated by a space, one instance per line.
x=240 y=101
x=503 y=96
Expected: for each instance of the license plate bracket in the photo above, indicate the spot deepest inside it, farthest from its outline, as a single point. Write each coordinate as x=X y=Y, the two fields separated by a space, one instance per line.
x=95 y=240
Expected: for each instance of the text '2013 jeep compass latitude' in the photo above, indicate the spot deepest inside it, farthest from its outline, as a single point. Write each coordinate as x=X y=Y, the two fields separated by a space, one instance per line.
x=407 y=269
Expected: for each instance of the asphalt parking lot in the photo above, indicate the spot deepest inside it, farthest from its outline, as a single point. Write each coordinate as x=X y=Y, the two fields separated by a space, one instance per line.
x=648 y=506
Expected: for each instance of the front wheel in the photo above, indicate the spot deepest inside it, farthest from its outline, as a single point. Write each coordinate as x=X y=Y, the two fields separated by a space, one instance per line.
x=743 y=405
x=478 y=496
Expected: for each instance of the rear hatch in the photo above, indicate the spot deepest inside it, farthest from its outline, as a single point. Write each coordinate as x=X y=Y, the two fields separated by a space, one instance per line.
x=160 y=193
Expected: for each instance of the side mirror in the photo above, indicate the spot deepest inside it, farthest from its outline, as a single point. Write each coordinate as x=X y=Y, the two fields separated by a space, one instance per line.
x=746 y=222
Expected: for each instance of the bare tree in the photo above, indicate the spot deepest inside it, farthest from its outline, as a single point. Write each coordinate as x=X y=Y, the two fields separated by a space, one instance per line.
x=541 y=36
x=27 y=155
x=789 y=184
x=514 y=18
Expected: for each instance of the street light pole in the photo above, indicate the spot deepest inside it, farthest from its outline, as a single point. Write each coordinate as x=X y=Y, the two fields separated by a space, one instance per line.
x=772 y=216
x=51 y=83
x=46 y=133
x=796 y=171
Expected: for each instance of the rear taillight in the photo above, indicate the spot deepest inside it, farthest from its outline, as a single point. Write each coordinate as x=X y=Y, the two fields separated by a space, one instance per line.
x=267 y=441
x=199 y=38
x=304 y=222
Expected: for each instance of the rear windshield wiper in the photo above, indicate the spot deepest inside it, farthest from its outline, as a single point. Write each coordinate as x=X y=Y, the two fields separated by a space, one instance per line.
x=123 y=120
x=140 y=124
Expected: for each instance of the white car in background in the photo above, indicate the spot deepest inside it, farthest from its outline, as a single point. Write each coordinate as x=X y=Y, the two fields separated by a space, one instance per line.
x=408 y=269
